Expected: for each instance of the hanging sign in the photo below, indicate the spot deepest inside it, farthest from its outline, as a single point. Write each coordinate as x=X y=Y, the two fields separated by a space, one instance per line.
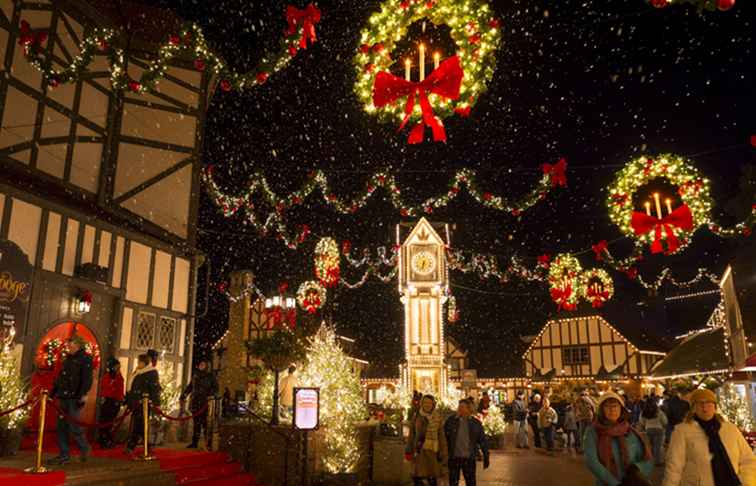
x=469 y=379
x=15 y=286
x=306 y=408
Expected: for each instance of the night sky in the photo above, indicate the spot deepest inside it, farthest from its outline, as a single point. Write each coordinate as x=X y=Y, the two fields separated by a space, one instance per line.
x=597 y=82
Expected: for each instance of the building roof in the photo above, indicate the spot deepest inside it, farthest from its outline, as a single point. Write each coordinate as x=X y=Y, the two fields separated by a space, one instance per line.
x=701 y=352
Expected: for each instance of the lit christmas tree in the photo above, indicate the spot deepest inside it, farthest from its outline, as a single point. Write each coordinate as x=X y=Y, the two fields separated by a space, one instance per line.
x=341 y=402
x=12 y=389
x=493 y=421
x=735 y=407
x=170 y=388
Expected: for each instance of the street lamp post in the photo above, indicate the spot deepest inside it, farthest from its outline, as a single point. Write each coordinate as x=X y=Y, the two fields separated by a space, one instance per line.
x=285 y=304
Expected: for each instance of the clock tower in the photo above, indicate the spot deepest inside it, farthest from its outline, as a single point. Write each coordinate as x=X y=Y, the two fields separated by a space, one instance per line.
x=423 y=287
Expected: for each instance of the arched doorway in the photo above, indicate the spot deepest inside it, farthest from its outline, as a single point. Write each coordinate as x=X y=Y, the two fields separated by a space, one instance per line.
x=48 y=360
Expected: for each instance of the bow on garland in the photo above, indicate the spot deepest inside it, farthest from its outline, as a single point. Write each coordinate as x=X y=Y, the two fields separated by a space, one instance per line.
x=599 y=249
x=557 y=173
x=28 y=37
x=444 y=81
x=681 y=218
x=561 y=297
x=276 y=317
x=306 y=18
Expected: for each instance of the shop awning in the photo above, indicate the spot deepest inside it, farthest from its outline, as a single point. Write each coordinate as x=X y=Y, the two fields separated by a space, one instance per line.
x=699 y=353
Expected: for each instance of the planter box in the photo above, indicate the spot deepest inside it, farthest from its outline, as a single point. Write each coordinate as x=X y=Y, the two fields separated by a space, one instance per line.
x=10 y=442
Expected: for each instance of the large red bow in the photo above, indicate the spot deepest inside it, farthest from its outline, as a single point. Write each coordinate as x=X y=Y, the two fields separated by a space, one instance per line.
x=681 y=218
x=307 y=18
x=599 y=249
x=444 y=81
x=557 y=172
x=598 y=297
x=561 y=297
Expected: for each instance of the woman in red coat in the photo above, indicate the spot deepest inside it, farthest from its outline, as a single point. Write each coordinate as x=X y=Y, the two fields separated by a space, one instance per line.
x=111 y=394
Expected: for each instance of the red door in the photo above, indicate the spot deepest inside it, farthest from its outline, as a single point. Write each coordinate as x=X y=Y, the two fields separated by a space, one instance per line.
x=48 y=361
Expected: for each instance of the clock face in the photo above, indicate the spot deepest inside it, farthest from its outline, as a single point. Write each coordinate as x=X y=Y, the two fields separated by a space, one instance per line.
x=423 y=263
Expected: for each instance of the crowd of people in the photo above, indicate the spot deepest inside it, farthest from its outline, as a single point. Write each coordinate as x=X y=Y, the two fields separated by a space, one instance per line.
x=74 y=381
x=624 y=438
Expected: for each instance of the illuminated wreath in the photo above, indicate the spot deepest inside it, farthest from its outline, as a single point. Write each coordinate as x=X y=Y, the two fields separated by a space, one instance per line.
x=311 y=296
x=474 y=29
x=596 y=286
x=55 y=350
x=564 y=280
x=327 y=262
x=654 y=220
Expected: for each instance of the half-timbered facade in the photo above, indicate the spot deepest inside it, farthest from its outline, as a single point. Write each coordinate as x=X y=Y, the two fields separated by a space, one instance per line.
x=99 y=188
x=587 y=347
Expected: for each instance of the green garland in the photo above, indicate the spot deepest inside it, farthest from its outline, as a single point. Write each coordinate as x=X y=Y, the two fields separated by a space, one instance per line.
x=474 y=29
x=274 y=221
x=188 y=42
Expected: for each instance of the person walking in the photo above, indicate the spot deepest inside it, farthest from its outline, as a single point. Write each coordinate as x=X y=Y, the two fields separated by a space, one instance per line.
x=533 y=408
x=111 y=394
x=520 y=409
x=484 y=404
x=616 y=453
x=426 y=448
x=286 y=391
x=676 y=410
x=203 y=388
x=570 y=427
x=70 y=387
x=654 y=422
x=547 y=420
x=585 y=410
x=465 y=437
x=143 y=381
x=707 y=450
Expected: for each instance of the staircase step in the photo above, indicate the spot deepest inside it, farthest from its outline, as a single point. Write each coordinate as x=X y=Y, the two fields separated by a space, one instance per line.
x=171 y=460
x=187 y=475
x=241 y=479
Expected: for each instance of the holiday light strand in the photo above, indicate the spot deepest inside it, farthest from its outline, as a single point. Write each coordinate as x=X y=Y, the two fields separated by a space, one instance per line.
x=487 y=266
x=701 y=5
x=188 y=41
x=381 y=258
x=317 y=180
x=366 y=276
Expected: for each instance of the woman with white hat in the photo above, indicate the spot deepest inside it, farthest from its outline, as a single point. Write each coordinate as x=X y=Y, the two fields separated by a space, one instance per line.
x=616 y=453
x=706 y=450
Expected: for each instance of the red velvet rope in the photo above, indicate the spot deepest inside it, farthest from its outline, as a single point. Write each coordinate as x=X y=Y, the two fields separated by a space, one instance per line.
x=31 y=401
x=96 y=425
x=179 y=419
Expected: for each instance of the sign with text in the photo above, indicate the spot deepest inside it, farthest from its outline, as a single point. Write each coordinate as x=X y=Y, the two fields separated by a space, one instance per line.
x=15 y=286
x=469 y=379
x=306 y=408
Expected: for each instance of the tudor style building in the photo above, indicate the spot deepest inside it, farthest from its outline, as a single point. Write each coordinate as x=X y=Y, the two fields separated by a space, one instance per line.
x=99 y=190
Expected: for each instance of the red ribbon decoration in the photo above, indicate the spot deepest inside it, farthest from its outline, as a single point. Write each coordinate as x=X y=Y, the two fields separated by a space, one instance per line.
x=599 y=249
x=556 y=172
x=444 y=81
x=561 y=296
x=681 y=218
x=307 y=18
x=28 y=37
x=598 y=297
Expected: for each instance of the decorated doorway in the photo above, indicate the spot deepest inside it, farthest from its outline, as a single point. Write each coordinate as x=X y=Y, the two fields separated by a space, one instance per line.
x=48 y=361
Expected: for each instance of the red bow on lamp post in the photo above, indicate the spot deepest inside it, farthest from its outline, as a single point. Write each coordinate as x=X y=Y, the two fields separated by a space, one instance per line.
x=681 y=218
x=597 y=297
x=556 y=172
x=444 y=81
x=307 y=18
x=561 y=297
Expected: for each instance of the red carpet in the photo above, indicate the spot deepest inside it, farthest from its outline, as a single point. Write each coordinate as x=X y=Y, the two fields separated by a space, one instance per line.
x=16 y=477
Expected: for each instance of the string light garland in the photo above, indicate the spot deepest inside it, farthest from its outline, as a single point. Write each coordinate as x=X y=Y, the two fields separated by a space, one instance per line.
x=477 y=35
x=327 y=262
x=596 y=286
x=701 y=5
x=311 y=296
x=564 y=281
x=391 y=275
x=274 y=221
x=189 y=41
x=55 y=351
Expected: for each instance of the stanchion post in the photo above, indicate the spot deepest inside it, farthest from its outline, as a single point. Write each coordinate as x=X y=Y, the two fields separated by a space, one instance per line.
x=146 y=417
x=38 y=467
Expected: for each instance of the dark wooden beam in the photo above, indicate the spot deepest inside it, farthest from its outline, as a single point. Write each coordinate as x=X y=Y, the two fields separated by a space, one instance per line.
x=152 y=180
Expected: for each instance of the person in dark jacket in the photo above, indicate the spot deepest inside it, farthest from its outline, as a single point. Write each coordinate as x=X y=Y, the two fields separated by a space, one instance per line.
x=70 y=387
x=143 y=381
x=533 y=408
x=676 y=410
x=111 y=394
x=203 y=387
x=464 y=437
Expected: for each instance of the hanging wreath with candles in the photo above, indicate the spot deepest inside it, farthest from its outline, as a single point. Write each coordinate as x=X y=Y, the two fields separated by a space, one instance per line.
x=596 y=287
x=452 y=86
x=55 y=351
x=564 y=280
x=327 y=269
x=452 y=310
x=660 y=201
x=311 y=296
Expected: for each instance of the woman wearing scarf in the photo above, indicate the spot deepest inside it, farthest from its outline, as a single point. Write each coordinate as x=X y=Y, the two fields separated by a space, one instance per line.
x=616 y=453
x=144 y=380
x=111 y=393
x=426 y=447
x=706 y=450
